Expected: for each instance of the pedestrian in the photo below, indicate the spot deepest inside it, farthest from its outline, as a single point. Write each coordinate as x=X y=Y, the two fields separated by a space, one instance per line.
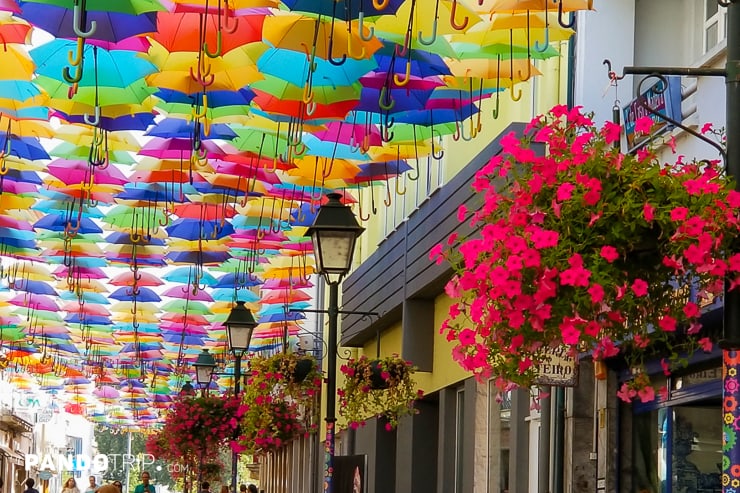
x=118 y=485
x=144 y=487
x=224 y=488
x=205 y=487
x=93 y=486
x=252 y=488
x=242 y=488
x=29 y=486
x=70 y=486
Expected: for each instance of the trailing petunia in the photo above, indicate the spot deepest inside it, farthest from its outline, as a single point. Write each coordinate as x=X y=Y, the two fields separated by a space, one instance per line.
x=580 y=245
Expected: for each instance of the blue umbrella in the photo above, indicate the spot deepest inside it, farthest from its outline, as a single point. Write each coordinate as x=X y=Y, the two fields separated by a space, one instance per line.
x=119 y=238
x=54 y=222
x=183 y=129
x=77 y=318
x=202 y=258
x=35 y=287
x=195 y=229
x=346 y=9
x=226 y=294
x=292 y=66
x=231 y=280
x=185 y=275
x=126 y=293
x=216 y=99
x=24 y=147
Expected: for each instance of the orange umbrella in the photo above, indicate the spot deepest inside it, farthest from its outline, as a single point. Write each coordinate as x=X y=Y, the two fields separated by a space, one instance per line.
x=180 y=32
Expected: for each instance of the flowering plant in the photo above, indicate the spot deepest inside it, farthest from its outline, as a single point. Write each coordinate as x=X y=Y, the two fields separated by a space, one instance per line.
x=280 y=404
x=586 y=247
x=382 y=388
x=195 y=428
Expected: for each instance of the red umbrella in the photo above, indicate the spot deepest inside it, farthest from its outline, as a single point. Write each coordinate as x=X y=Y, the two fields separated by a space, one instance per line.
x=180 y=32
x=206 y=212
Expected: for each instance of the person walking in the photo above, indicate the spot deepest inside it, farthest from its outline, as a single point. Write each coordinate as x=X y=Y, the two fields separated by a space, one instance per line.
x=93 y=486
x=29 y=486
x=118 y=485
x=144 y=487
x=70 y=486
x=205 y=487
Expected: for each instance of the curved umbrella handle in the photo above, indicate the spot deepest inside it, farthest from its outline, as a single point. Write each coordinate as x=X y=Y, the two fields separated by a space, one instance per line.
x=75 y=57
x=72 y=79
x=541 y=48
x=310 y=108
x=402 y=82
x=352 y=55
x=385 y=101
x=565 y=25
x=77 y=23
x=517 y=97
x=430 y=41
x=453 y=19
x=229 y=16
x=380 y=4
x=3 y=167
x=361 y=28
x=529 y=73
x=95 y=120
x=219 y=47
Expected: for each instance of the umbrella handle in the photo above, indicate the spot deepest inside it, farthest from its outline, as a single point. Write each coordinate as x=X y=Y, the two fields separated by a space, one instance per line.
x=72 y=79
x=3 y=167
x=515 y=98
x=77 y=23
x=352 y=55
x=437 y=155
x=385 y=101
x=572 y=22
x=229 y=16
x=432 y=39
x=95 y=121
x=219 y=47
x=310 y=108
x=541 y=48
x=495 y=111
x=380 y=4
x=529 y=72
x=75 y=56
x=402 y=82
x=361 y=28
x=453 y=20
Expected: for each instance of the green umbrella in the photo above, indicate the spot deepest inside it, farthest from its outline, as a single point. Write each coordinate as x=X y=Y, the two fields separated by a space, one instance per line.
x=133 y=7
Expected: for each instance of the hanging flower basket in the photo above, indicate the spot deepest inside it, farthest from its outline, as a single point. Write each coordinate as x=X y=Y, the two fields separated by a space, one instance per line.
x=585 y=247
x=280 y=401
x=196 y=428
x=380 y=388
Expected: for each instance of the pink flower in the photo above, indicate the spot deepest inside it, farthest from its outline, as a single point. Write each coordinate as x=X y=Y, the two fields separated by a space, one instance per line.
x=643 y=125
x=646 y=394
x=648 y=211
x=691 y=309
x=597 y=293
x=640 y=287
x=679 y=213
x=565 y=192
x=609 y=253
x=705 y=344
x=466 y=337
x=626 y=393
x=667 y=323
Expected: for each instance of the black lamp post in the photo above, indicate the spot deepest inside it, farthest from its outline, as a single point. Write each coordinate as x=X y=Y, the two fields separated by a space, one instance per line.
x=334 y=233
x=240 y=325
x=204 y=366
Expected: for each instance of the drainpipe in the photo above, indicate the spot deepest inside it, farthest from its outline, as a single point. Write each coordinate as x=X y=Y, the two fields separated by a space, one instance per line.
x=558 y=439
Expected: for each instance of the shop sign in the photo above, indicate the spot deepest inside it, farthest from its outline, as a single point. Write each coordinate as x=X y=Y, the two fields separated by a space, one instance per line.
x=665 y=100
x=559 y=367
x=44 y=415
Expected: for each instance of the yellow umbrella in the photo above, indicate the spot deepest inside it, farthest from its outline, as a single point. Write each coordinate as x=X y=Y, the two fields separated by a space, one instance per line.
x=322 y=168
x=233 y=4
x=452 y=16
x=549 y=5
x=16 y=64
x=478 y=68
x=311 y=35
x=232 y=71
x=13 y=201
x=84 y=135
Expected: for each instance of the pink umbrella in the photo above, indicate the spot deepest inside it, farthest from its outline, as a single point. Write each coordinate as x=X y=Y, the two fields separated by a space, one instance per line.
x=84 y=272
x=178 y=149
x=75 y=172
x=350 y=134
x=35 y=302
x=10 y=6
x=193 y=330
x=144 y=279
x=186 y=292
x=190 y=319
x=87 y=308
x=106 y=392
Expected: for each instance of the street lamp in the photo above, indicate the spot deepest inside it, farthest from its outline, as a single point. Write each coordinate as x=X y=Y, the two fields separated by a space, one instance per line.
x=240 y=325
x=204 y=366
x=334 y=233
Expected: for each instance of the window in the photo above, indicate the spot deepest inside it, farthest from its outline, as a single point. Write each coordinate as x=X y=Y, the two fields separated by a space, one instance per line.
x=715 y=24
